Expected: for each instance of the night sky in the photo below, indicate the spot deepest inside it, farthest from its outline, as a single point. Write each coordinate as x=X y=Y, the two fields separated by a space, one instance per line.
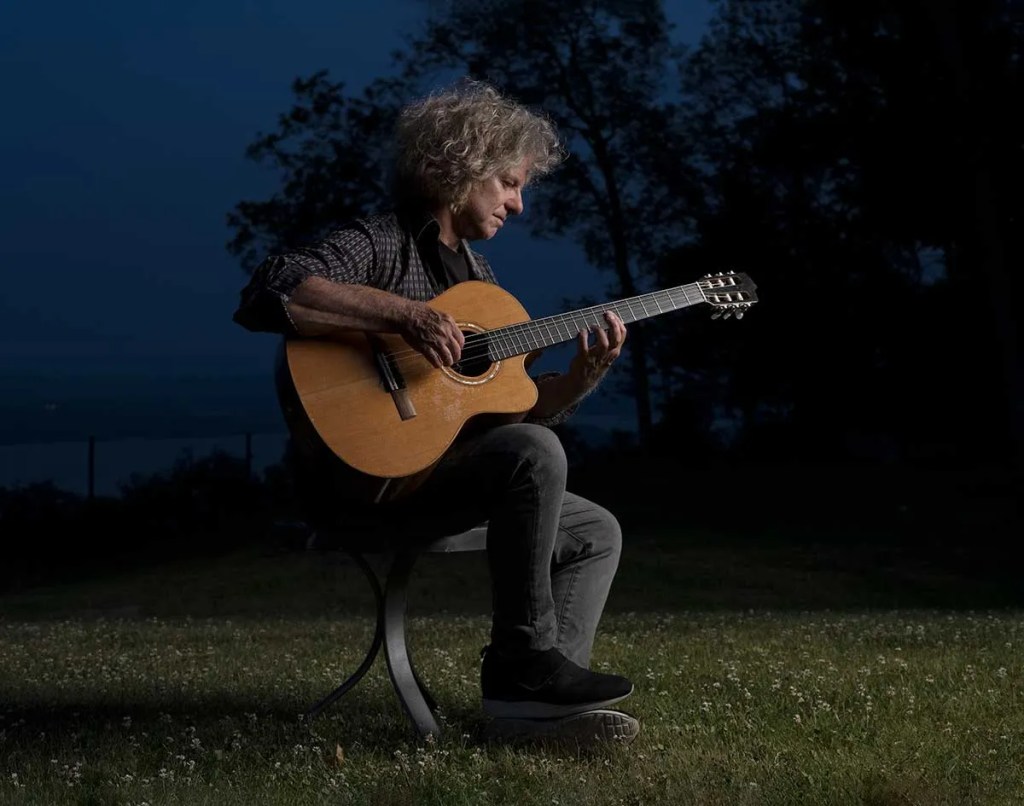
x=123 y=150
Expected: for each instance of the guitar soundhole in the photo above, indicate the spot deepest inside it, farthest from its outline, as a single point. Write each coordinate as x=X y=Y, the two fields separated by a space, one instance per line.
x=475 y=360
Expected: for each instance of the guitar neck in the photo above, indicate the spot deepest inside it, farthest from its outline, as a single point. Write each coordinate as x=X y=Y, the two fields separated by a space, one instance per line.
x=537 y=334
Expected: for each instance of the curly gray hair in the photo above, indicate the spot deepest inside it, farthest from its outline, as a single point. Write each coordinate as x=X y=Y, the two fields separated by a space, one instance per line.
x=455 y=138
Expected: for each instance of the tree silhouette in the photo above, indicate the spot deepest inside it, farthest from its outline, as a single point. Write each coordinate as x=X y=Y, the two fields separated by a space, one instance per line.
x=601 y=70
x=859 y=160
x=331 y=151
x=981 y=46
x=835 y=173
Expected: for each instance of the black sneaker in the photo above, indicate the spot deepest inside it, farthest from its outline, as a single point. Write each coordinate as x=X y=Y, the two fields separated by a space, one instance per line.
x=544 y=686
x=588 y=729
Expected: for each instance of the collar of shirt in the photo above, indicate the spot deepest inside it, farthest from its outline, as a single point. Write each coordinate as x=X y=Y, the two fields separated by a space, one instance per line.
x=426 y=232
x=418 y=221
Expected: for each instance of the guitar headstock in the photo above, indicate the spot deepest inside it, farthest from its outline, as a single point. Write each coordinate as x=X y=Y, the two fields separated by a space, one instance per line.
x=731 y=293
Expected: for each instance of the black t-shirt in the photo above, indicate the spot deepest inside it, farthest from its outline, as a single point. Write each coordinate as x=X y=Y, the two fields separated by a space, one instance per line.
x=453 y=265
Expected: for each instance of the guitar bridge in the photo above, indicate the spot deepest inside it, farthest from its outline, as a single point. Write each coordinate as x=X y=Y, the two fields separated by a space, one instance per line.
x=406 y=410
x=392 y=380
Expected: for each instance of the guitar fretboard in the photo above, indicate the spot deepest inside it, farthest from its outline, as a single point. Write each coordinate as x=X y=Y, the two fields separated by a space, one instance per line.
x=536 y=334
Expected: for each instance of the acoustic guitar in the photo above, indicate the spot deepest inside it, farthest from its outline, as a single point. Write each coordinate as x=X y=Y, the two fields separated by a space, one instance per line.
x=389 y=415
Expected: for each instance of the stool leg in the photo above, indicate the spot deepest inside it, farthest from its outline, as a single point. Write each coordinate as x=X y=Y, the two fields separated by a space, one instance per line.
x=427 y=698
x=371 y=655
x=411 y=691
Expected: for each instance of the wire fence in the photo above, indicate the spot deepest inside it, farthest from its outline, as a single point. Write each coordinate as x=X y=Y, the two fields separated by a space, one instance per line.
x=100 y=467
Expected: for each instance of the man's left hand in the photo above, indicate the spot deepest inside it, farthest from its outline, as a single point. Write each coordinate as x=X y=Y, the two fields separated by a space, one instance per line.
x=593 y=360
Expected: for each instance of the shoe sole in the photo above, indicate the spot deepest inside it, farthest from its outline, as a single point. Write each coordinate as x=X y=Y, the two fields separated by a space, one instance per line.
x=528 y=709
x=595 y=727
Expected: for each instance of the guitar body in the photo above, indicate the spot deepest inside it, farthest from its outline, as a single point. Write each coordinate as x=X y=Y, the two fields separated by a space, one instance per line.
x=401 y=436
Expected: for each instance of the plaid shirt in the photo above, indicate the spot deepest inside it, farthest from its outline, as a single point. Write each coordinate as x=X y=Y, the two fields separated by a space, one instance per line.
x=384 y=251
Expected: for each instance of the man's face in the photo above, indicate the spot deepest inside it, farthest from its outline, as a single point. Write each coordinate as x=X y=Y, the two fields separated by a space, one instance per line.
x=490 y=203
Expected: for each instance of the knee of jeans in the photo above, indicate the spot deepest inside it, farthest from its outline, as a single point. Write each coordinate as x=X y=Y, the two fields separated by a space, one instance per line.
x=541 y=449
x=607 y=540
x=598 y=537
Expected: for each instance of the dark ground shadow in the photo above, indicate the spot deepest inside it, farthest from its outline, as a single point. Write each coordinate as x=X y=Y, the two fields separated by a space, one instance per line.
x=780 y=538
x=663 y=569
x=223 y=720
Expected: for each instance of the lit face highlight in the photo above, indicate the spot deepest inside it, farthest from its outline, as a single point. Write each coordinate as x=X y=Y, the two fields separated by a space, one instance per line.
x=490 y=203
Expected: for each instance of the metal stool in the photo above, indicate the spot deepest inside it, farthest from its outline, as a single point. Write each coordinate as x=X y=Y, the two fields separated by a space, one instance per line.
x=391 y=602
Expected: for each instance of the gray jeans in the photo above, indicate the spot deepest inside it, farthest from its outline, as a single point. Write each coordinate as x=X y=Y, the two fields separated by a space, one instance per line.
x=552 y=554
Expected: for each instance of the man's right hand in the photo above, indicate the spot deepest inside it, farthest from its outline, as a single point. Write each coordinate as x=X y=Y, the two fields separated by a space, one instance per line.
x=434 y=334
x=322 y=307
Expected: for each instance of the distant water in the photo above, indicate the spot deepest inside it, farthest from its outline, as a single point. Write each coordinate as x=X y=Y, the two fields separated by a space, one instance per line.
x=145 y=424
x=66 y=464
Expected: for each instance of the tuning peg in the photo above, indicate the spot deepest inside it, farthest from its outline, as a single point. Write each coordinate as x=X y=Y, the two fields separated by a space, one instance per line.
x=739 y=314
x=716 y=315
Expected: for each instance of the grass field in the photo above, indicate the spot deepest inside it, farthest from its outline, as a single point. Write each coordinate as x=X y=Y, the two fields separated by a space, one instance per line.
x=767 y=671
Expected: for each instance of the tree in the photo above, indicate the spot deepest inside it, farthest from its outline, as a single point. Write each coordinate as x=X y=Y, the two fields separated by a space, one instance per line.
x=600 y=68
x=331 y=151
x=981 y=46
x=602 y=71
x=838 y=168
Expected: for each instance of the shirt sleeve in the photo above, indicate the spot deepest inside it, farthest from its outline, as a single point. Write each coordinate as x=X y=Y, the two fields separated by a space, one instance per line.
x=559 y=417
x=346 y=255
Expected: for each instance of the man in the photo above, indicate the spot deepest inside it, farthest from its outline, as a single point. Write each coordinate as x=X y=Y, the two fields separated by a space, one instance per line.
x=464 y=158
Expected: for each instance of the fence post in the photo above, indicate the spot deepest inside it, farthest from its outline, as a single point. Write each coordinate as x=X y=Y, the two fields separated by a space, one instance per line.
x=92 y=468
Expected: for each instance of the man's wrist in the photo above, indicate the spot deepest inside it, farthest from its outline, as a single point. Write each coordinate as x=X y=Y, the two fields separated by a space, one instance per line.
x=559 y=392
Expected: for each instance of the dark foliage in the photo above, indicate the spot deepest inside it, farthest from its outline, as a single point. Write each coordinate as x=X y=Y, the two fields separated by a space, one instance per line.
x=859 y=161
x=861 y=165
x=199 y=507
x=331 y=153
x=600 y=70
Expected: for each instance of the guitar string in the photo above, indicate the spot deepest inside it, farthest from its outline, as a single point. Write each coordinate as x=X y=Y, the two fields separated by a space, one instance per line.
x=521 y=333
